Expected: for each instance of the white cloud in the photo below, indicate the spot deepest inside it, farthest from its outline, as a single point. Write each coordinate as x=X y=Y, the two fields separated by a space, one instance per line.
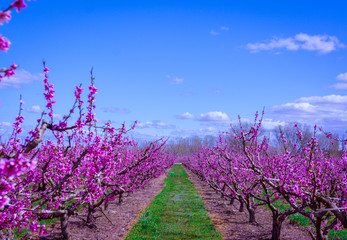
x=213 y=116
x=270 y=124
x=57 y=116
x=342 y=77
x=21 y=77
x=287 y=43
x=340 y=86
x=325 y=99
x=327 y=111
x=186 y=115
x=320 y=43
x=175 y=80
x=214 y=33
x=304 y=107
x=35 y=109
x=155 y=124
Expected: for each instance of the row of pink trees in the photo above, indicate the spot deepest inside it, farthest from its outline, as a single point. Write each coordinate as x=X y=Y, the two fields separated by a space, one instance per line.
x=310 y=183
x=85 y=166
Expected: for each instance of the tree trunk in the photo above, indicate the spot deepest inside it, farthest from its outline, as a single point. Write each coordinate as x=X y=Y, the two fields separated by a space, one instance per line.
x=231 y=201
x=276 y=228
x=90 y=214
x=321 y=236
x=319 y=231
x=64 y=226
x=106 y=205
x=120 y=199
x=251 y=212
x=241 y=206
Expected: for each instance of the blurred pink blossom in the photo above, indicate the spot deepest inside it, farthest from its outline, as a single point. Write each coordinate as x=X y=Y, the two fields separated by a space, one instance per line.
x=5 y=16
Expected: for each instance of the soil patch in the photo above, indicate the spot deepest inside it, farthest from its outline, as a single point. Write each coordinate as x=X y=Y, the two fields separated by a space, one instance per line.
x=123 y=216
x=233 y=224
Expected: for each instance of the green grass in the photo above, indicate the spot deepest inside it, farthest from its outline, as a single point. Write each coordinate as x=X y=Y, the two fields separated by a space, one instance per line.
x=178 y=212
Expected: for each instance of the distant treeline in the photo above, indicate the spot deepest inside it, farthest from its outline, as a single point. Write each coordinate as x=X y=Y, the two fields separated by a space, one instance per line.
x=331 y=146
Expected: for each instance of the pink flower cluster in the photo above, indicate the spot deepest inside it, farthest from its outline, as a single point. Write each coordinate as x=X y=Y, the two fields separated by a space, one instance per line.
x=19 y=5
x=4 y=44
x=8 y=72
x=5 y=17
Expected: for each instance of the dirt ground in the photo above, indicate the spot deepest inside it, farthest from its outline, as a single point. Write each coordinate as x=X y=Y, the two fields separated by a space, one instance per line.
x=234 y=225
x=123 y=216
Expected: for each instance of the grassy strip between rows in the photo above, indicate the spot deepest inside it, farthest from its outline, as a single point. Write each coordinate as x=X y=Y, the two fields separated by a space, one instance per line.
x=178 y=212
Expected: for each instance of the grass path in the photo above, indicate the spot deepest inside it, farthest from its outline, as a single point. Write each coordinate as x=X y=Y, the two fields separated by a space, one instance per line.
x=178 y=212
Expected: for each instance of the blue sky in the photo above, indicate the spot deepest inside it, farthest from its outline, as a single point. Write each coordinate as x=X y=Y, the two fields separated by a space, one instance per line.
x=182 y=67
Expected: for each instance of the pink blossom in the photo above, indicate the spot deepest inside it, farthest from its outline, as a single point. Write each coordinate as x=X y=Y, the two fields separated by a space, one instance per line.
x=19 y=4
x=5 y=16
x=9 y=72
x=4 y=44
x=4 y=187
x=92 y=89
x=9 y=168
x=78 y=92
x=4 y=201
x=14 y=66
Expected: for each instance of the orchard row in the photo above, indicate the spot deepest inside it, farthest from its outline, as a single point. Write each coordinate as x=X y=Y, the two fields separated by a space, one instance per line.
x=83 y=168
x=243 y=167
